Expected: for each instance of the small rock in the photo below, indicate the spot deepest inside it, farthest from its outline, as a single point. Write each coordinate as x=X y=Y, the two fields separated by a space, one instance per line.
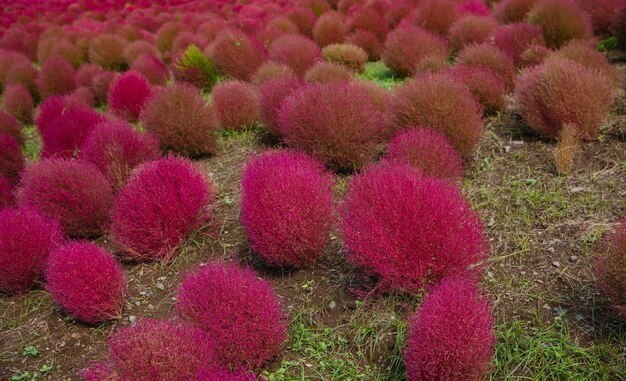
x=523 y=272
x=535 y=273
x=138 y=303
x=160 y=286
x=517 y=142
x=132 y=319
x=574 y=258
x=491 y=222
x=556 y=264
x=507 y=149
x=578 y=317
x=577 y=189
x=332 y=305
x=546 y=306
x=551 y=249
x=489 y=274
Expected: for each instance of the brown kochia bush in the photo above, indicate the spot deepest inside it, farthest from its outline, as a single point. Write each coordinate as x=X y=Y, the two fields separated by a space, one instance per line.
x=407 y=46
x=348 y=55
x=560 y=21
x=492 y=58
x=330 y=28
x=561 y=91
x=610 y=270
x=324 y=72
x=585 y=54
x=566 y=148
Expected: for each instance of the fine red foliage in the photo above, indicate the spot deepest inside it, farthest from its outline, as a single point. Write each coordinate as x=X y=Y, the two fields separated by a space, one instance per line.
x=22 y=73
x=26 y=239
x=514 y=39
x=18 y=102
x=63 y=135
x=11 y=158
x=7 y=193
x=219 y=373
x=437 y=15
x=367 y=41
x=56 y=77
x=368 y=18
x=73 y=192
x=11 y=126
x=86 y=281
x=287 y=208
x=513 y=11
x=271 y=96
x=440 y=235
x=238 y=310
x=585 y=54
x=471 y=29
x=128 y=95
x=324 y=72
x=407 y=46
x=107 y=50
x=271 y=71
x=560 y=21
x=490 y=57
x=139 y=48
x=330 y=28
x=348 y=55
x=236 y=105
x=603 y=13
x=483 y=83
x=304 y=18
x=295 y=51
x=162 y=204
x=152 y=69
x=451 y=336
x=610 y=270
x=235 y=55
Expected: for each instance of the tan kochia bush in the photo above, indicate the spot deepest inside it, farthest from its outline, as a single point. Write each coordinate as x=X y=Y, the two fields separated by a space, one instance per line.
x=348 y=55
x=567 y=147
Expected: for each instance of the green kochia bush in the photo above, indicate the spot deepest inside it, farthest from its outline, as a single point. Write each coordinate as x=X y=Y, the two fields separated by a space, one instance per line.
x=194 y=67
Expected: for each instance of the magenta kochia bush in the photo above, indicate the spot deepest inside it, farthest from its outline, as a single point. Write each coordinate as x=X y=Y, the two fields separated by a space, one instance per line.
x=86 y=281
x=128 y=95
x=26 y=239
x=17 y=101
x=10 y=125
x=338 y=122
x=408 y=229
x=181 y=119
x=219 y=373
x=239 y=311
x=63 y=136
x=154 y=350
x=163 y=203
x=236 y=104
x=115 y=148
x=451 y=337
x=610 y=270
x=74 y=192
x=7 y=193
x=271 y=96
x=427 y=150
x=11 y=158
x=56 y=77
x=287 y=207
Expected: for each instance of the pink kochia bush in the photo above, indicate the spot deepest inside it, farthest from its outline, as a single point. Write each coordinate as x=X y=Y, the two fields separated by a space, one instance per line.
x=152 y=69
x=56 y=77
x=345 y=135
x=236 y=105
x=406 y=46
x=427 y=150
x=17 y=101
x=128 y=95
x=295 y=51
x=219 y=373
x=560 y=21
x=610 y=270
x=483 y=83
x=287 y=207
x=235 y=55
x=64 y=134
x=163 y=203
x=11 y=126
x=271 y=96
x=154 y=350
x=86 y=281
x=515 y=39
x=11 y=158
x=451 y=337
x=115 y=148
x=408 y=229
x=26 y=239
x=239 y=311
x=74 y=192
x=7 y=193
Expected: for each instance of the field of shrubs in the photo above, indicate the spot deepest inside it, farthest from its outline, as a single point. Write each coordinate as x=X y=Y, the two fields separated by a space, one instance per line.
x=239 y=190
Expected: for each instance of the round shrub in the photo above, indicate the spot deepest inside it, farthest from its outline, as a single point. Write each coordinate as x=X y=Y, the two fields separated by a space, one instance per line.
x=26 y=239
x=236 y=105
x=63 y=135
x=194 y=67
x=490 y=57
x=107 y=50
x=515 y=39
x=437 y=15
x=451 y=335
x=330 y=28
x=603 y=13
x=271 y=71
x=560 y=21
x=7 y=193
x=22 y=74
x=52 y=108
x=275 y=28
x=367 y=41
x=483 y=84
x=295 y=51
x=239 y=311
x=166 y=35
x=304 y=18
x=163 y=203
x=101 y=85
x=218 y=373
x=152 y=69
x=17 y=101
x=271 y=96
x=474 y=7
x=470 y=30
x=406 y=46
x=618 y=28
x=59 y=46
x=610 y=270
x=288 y=225
x=235 y=55
x=73 y=192
x=439 y=102
x=154 y=349
x=115 y=149
x=586 y=55
x=86 y=281
x=128 y=95
x=139 y=48
x=181 y=119
x=440 y=234
x=346 y=135
x=56 y=77
x=427 y=150
x=348 y=55
x=370 y=19
x=11 y=158
x=534 y=55
x=325 y=72
x=512 y=11
x=11 y=126
x=560 y=92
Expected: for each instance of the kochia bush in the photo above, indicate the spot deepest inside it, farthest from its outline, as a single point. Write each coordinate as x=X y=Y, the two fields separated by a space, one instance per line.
x=236 y=105
x=86 y=281
x=163 y=203
x=287 y=208
x=107 y=50
x=490 y=57
x=345 y=54
x=610 y=270
x=7 y=193
x=515 y=39
x=63 y=135
x=470 y=30
x=152 y=69
x=11 y=126
x=440 y=234
x=11 y=158
x=324 y=72
x=483 y=83
x=239 y=311
x=330 y=28
x=18 y=102
x=271 y=97
x=451 y=336
x=272 y=71
x=56 y=77
x=560 y=21
x=407 y=46
x=585 y=54
x=295 y=51
x=26 y=239
x=437 y=15
x=128 y=95
x=235 y=55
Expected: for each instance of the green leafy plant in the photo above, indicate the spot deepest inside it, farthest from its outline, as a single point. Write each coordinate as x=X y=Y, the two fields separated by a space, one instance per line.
x=196 y=68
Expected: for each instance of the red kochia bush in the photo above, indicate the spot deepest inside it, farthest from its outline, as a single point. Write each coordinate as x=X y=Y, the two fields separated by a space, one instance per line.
x=181 y=119
x=585 y=54
x=72 y=191
x=407 y=46
x=271 y=71
x=139 y=48
x=345 y=135
x=107 y=50
x=511 y=11
x=52 y=108
x=287 y=208
x=515 y=39
x=18 y=102
x=218 y=373
x=235 y=55
x=11 y=126
x=236 y=105
x=490 y=57
x=56 y=77
x=128 y=95
x=330 y=28
x=22 y=73
x=295 y=51
x=439 y=102
x=101 y=84
x=471 y=29
x=11 y=158
x=560 y=92
x=115 y=149
x=152 y=69
x=324 y=72
x=483 y=83
x=271 y=97
x=367 y=41
x=560 y=21
x=154 y=350
x=437 y=15
x=427 y=150
x=163 y=203
x=451 y=336
x=610 y=270
x=26 y=239
x=409 y=229
x=239 y=311
x=86 y=281
x=7 y=193
x=64 y=134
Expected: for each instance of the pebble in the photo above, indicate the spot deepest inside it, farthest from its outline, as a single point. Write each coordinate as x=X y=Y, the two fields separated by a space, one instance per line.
x=517 y=142
x=132 y=319
x=551 y=249
x=546 y=306
x=332 y=305
x=556 y=264
x=507 y=149
x=489 y=274
x=160 y=286
x=574 y=258
x=577 y=189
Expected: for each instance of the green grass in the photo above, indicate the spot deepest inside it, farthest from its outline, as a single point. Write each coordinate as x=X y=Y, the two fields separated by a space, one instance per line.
x=32 y=148
x=380 y=74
